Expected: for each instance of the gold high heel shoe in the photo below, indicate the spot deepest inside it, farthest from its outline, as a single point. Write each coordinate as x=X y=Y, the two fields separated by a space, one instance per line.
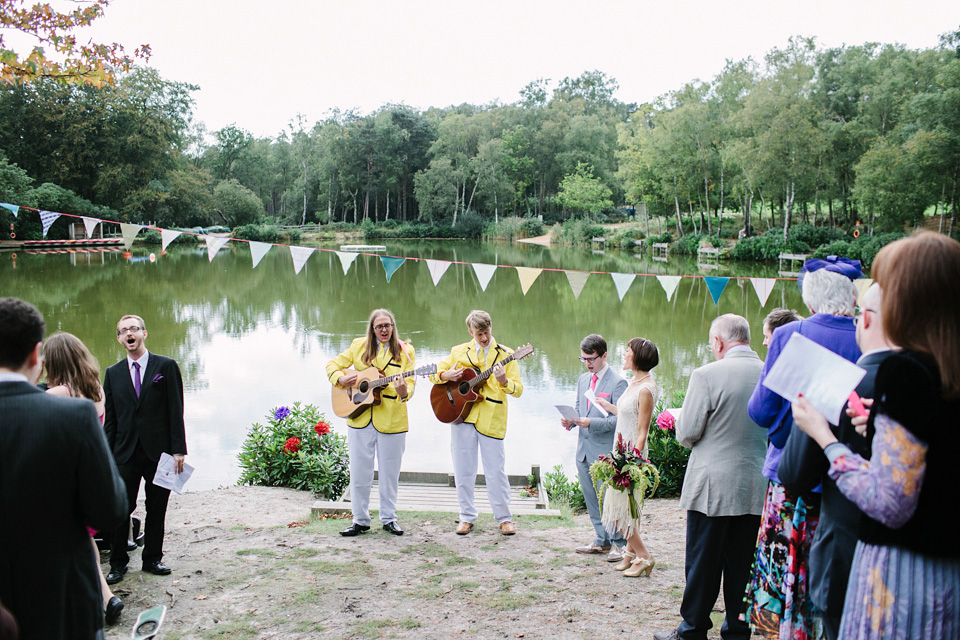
x=627 y=560
x=639 y=567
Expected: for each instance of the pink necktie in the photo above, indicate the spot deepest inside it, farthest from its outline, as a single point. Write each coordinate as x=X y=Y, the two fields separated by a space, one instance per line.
x=136 y=378
x=593 y=387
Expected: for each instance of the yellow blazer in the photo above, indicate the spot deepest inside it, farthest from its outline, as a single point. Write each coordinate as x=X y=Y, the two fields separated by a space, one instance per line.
x=489 y=416
x=390 y=416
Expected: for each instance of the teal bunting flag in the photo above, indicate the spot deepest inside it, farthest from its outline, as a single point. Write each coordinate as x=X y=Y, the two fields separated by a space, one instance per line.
x=716 y=285
x=390 y=265
x=10 y=207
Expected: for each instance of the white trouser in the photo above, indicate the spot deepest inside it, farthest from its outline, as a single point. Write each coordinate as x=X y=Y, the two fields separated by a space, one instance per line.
x=464 y=442
x=388 y=448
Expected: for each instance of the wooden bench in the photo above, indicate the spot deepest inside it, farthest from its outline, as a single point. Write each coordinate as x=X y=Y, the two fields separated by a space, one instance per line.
x=660 y=251
x=790 y=258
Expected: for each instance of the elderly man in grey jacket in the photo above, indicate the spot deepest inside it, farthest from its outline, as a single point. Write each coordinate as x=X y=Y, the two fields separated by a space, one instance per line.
x=724 y=485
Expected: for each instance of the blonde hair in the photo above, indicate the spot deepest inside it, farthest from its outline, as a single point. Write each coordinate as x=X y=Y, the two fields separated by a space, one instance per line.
x=71 y=364
x=478 y=320
x=373 y=343
x=143 y=325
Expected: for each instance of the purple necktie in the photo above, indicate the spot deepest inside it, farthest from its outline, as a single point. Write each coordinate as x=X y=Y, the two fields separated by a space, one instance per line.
x=136 y=378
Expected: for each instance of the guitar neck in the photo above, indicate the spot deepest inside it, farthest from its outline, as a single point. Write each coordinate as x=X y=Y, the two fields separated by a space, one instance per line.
x=382 y=382
x=486 y=374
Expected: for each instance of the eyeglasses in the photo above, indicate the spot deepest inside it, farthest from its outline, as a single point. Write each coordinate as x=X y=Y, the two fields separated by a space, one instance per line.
x=859 y=312
x=589 y=360
x=126 y=330
x=382 y=327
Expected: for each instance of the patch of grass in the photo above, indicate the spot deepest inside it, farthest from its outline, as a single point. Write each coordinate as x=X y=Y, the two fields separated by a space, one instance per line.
x=372 y=628
x=309 y=595
x=465 y=584
x=510 y=601
x=267 y=553
x=448 y=556
x=308 y=626
x=388 y=556
x=234 y=629
x=320 y=567
x=518 y=564
x=302 y=553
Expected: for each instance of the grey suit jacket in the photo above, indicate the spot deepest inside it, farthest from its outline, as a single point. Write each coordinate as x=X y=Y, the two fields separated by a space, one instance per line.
x=56 y=478
x=724 y=474
x=597 y=439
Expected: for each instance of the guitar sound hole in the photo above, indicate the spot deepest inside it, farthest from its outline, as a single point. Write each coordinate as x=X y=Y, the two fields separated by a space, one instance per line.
x=363 y=386
x=463 y=388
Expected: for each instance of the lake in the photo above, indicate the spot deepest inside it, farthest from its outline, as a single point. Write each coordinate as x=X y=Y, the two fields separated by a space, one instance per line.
x=250 y=339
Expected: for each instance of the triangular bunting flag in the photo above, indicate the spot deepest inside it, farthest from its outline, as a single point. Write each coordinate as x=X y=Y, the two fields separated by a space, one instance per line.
x=129 y=232
x=90 y=225
x=13 y=208
x=577 y=280
x=166 y=237
x=258 y=250
x=528 y=275
x=484 y=273
x=437 y=269
x=862 y=285
x=346 y=259
x=622 y=281
x=390 y=265
x=669 y=284
x=47 y=218
x=213 y=245
x=763 y=287
x=716 y=285
x=300 y=255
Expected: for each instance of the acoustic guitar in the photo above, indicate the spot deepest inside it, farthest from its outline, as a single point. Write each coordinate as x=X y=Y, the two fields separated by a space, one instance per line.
x=350 y=402
x=452 y=400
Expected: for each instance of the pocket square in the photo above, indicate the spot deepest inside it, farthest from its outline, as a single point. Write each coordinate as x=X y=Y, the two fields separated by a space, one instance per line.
x=603 y=395
x=157 y=378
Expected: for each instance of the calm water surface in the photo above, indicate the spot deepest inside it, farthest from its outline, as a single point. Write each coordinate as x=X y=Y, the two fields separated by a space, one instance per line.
x=250 y=339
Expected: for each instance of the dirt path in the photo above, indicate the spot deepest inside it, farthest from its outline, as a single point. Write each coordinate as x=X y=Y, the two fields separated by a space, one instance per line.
x=247 y=564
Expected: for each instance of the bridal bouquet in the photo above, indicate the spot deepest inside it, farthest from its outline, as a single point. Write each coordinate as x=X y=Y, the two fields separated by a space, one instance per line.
x=625 y=469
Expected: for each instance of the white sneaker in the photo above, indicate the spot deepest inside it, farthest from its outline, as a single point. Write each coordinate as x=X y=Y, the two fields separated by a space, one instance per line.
x=616 y=554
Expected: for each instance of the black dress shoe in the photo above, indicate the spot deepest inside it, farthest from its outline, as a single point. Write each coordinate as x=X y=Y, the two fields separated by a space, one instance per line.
x=114 y=607
x=157 y=568
x=116 y=574
x=394 y=528
x=354 y=530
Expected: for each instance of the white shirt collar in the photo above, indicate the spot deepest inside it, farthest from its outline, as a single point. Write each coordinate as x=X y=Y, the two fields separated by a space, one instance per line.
x=602 y=372
x=10 y=376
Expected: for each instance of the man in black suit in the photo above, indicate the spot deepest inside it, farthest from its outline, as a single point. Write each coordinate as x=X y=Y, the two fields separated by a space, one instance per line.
x=56 y=478
x=803 y=466
x=144 y=418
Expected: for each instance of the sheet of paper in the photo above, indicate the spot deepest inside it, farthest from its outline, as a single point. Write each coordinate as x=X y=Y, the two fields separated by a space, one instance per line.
x=566 y=411
x=822 y=376
x=167 y=477
x=592 y=397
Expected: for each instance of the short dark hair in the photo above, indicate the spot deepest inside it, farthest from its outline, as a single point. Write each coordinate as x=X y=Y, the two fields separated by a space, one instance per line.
x=594 y=343
x=645 y=354
x=779 y=317
x=21 y=328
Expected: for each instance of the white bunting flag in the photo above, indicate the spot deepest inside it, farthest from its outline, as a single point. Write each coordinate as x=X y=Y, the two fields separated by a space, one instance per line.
x=167 y=236
x=437 y=269
x=129 y=232
x=47 y=218
x=484 y=273
x=577 y=280
x=622 y=281
x=862 y=285
x=669 y=284
x=90 y=225
x=214 y=243
x=258 y=250
x=346 y=259
x=528 y=275
x=763 y=287
x=300 y=255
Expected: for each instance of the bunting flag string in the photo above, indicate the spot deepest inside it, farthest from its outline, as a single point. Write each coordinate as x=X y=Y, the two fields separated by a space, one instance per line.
x=300 y=256
x=484 y=273
x=12 y=208
x=214 y=243
x=763 y=287
x=129 y=232
x=346 y=259
x=166 y=237
x=622 y=281
x=258 y=250
x=47 y=218
x=716 y=285
x=669 y=284
x=90 y=225
x=390 y=265
x=437 y=268
x=528 y=275
x=577 y=280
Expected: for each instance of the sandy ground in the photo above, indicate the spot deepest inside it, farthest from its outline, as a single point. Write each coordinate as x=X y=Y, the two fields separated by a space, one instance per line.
x=249 y=563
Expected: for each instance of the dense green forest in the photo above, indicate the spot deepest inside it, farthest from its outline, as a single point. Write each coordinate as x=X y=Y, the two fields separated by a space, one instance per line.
x=823 y=136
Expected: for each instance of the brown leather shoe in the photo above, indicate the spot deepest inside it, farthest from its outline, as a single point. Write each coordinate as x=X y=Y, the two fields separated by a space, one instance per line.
x=464 y=528
x=507 y=528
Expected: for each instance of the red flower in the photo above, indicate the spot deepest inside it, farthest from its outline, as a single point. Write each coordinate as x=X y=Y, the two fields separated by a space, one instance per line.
x=322 y=428
x=292 y=445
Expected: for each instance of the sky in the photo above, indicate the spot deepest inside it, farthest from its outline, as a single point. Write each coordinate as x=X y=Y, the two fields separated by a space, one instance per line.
x=259 y=64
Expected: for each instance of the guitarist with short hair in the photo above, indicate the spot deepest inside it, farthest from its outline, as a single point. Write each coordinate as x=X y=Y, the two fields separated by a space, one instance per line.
x=381 y=429
x=486 y=425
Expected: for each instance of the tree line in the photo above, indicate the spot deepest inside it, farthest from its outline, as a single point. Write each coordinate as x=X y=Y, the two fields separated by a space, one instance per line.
x=829 y=136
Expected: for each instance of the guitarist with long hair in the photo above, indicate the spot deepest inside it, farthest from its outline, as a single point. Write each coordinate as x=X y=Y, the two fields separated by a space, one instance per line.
x=381 y=429
x=485 y=425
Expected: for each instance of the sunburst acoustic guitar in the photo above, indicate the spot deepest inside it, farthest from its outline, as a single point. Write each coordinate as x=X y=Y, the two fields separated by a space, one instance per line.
x=350 y=402
x=452 y=401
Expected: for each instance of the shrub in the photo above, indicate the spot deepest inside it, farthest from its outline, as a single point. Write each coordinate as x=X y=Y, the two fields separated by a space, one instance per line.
x=258 y=233
x=663 y=237
x=562 y=490
x=665 y=452
x=577 y=231
x=624 y=238
x=513 y=228
x=815 y=236
x=296 y=448
x=688 y=244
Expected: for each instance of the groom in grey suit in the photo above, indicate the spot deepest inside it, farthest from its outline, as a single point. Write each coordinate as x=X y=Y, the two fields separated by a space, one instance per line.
x=596 y=436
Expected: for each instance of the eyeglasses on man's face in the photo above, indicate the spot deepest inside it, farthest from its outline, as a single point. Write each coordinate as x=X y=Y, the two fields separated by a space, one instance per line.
x=382 y=327
x=589 y=360
x=126 y=330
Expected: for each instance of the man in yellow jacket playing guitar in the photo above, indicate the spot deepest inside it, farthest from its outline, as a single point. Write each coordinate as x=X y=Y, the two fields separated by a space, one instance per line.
x=381 y=429
x=485 y=425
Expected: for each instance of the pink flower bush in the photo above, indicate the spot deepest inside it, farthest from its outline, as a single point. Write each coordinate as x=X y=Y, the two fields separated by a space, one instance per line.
x=666 y=421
